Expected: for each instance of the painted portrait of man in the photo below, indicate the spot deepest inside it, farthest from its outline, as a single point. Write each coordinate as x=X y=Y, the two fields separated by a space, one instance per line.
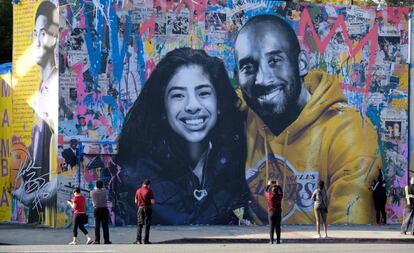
x=300 y=128
x=37 y=174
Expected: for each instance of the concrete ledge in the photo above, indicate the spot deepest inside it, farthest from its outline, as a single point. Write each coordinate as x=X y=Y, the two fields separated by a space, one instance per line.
x=33 y=234
x=288 y=240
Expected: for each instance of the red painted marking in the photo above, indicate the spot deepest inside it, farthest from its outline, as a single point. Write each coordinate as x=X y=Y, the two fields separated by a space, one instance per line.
x=148 y=25
x=394 y=14
x=371 y=36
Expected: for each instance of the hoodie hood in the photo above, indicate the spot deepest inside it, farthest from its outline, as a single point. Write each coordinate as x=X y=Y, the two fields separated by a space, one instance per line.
x=328 y=141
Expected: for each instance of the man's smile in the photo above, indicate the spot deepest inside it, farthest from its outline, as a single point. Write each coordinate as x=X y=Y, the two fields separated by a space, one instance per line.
x=266 y=93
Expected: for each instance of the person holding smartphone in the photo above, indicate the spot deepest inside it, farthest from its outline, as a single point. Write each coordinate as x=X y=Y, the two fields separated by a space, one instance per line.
x=274 y=196
x=78 y=204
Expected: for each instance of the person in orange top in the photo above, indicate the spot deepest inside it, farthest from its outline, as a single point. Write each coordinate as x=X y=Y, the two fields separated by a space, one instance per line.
x=78 y=204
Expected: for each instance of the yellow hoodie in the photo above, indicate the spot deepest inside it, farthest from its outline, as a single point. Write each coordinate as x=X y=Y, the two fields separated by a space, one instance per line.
x=329 y=141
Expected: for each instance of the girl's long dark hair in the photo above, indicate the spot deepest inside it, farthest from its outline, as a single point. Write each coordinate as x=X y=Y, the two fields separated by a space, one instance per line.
x=146 y=125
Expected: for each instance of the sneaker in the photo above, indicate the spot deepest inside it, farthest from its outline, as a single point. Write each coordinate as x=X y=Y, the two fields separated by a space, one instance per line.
x=325 y=236
x=148 y=242
x=72 y=243
x=108 y=242
x=316 y=236
x=403 y=233
x=270 y=242
x=89 y=241
x=96 y=242
x=137 y=242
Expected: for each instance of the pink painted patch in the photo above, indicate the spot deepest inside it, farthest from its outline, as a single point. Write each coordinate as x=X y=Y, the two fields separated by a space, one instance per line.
x=89 y=176
x=104 y=121
x=63 y=37
x=82 y=20
x=148 y=25
x=89 y=117
x=396 y=14
x=81 y=110
x=149 y=67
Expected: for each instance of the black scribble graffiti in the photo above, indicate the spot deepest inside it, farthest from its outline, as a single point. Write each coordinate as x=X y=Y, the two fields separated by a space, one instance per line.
x=180 y=24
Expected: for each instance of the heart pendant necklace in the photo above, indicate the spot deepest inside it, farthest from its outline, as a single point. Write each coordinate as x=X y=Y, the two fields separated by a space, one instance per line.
x=200 y=194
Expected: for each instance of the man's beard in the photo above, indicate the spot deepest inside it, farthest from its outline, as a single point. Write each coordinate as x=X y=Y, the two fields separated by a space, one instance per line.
x=274 y=109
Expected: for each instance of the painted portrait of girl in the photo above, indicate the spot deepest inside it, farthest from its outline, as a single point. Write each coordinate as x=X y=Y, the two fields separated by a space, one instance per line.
x=185 y=133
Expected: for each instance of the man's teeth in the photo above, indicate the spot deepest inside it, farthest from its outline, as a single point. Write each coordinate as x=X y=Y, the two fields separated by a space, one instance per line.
x=272 y=93
x=194 y=121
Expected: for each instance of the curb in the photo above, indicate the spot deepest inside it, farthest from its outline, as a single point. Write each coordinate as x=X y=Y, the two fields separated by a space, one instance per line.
x=266 y=241
x=287 y=240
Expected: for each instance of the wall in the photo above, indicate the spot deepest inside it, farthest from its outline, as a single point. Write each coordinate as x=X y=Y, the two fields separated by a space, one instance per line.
x=108 y=51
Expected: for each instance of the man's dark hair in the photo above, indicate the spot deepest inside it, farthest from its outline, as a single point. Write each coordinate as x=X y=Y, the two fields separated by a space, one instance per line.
x=147 y=182
x=276 y=21
x=47 y=9
x=321 y=185
x=99 y=184
x=76 y=189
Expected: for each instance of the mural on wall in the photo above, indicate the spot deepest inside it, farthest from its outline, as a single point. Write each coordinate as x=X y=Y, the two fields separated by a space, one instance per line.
x=334 y=111
x=5 y=141
x=411 y=169
x=35 y=83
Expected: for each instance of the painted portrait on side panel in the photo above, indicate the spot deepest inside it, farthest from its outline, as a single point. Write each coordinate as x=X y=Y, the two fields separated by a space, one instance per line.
x=36 y=182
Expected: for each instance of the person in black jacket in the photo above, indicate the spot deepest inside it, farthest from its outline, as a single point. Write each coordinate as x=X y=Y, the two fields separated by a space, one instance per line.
x=380 y=199
x=69 y=154
x=185 y=133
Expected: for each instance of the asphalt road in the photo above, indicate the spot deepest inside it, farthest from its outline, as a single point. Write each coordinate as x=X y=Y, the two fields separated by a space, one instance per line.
x=212 y=248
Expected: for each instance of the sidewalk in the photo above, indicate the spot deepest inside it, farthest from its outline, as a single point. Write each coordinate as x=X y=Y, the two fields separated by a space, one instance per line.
x=17 y=234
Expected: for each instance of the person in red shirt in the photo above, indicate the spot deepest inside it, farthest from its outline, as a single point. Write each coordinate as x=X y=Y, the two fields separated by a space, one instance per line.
x=274 y=195
x=144 y=199
x=78 y=204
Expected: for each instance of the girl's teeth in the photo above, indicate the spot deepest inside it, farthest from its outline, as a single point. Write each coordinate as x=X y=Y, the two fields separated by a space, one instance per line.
x=194 y=121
